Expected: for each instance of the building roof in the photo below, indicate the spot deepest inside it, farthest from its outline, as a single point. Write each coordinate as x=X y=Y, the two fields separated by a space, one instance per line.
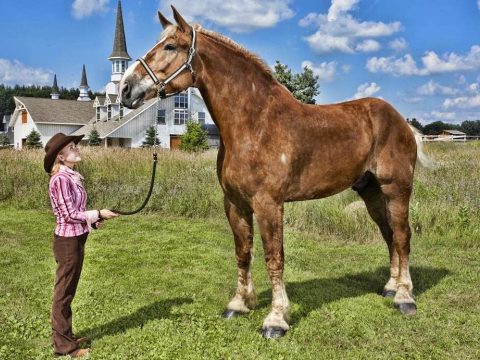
x=57 y=111
x=112 y=98
x=211 y=129
x=119 y=43
x=84 y=82
x=105 y=128
x=454 y=132
x=55 y=86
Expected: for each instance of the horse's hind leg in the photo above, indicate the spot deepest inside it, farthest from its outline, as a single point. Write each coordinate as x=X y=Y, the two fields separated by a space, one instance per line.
x=241 y=222
x=397 y=205
x=369 y=190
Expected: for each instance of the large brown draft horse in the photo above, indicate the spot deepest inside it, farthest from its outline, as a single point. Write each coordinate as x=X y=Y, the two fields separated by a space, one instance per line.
x=275 y=149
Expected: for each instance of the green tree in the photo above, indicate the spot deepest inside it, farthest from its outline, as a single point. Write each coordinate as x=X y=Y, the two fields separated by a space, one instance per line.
x=437 y=127
x=303 y=86
x=33 y=140
x=150 y=137
x=195 y=138
x=416 y=124
x=94 y=138
x=4 y=140
x=470 y=127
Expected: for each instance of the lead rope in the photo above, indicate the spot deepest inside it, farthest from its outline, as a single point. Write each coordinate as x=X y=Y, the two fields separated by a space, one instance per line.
x=154 y=168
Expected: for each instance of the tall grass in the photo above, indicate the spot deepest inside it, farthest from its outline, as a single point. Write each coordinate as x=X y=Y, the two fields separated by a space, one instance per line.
x=445 y=203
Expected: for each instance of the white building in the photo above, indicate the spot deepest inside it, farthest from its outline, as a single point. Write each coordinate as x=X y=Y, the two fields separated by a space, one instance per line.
x=116 y=125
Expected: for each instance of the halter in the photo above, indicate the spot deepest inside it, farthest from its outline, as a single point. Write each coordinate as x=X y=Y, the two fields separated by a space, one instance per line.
x=186 y=65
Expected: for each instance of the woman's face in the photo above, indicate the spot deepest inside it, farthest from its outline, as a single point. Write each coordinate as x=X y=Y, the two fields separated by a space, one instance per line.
x=70 y=154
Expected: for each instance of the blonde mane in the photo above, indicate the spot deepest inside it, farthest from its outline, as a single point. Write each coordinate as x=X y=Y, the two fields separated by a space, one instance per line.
x=235 y=47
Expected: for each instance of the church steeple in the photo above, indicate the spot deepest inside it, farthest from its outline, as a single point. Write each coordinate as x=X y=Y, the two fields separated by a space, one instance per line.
x=55 y=92
x=119 y=56
x=119 y=44
x=84 y=87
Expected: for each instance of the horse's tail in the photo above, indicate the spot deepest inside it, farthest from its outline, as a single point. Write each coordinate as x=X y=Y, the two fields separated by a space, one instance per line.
x=424 y=160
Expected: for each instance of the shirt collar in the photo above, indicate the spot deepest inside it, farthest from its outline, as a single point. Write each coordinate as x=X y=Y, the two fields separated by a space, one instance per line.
x=76 y=175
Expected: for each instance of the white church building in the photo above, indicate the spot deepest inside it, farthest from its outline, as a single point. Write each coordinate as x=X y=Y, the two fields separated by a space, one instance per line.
x=116 y=125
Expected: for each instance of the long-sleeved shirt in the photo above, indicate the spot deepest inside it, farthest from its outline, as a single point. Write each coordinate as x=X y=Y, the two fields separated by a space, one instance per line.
x=69 y=200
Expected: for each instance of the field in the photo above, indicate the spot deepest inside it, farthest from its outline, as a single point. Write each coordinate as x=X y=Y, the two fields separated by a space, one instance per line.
x=154 y=285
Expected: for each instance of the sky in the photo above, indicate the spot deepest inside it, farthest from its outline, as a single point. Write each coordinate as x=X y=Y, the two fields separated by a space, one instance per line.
x=422 y=56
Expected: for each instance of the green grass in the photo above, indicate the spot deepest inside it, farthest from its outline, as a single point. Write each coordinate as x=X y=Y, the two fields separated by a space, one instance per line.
x=154 y=285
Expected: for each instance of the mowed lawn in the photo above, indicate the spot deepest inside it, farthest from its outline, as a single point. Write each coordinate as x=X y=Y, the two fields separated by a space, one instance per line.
x=154 y=287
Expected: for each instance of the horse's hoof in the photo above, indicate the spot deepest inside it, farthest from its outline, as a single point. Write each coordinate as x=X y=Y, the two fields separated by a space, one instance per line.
x=273 y=332
x=407 y=308
x=389 y=293
x=228 y=314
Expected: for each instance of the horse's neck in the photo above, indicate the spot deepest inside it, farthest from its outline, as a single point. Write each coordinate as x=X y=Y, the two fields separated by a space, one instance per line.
x=234 y=87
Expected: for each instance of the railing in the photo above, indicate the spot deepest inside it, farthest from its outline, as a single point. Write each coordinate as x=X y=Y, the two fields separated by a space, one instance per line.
x=456 y=138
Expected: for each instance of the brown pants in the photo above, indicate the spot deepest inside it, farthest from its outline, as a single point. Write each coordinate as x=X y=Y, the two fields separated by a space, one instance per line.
x=68 y=252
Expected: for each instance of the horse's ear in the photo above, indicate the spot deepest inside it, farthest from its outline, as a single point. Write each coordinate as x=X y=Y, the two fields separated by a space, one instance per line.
x=182 y=24
x=163 y=20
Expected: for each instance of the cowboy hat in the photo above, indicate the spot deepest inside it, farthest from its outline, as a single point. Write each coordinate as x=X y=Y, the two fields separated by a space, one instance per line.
x=55 y=145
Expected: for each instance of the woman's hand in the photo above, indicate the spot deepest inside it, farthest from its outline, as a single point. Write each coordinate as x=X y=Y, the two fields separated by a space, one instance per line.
x=107 y=214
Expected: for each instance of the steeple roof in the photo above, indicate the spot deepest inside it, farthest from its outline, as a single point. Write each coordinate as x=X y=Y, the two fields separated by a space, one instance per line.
x=84 y=82
x=55 y=86
x=119 y=44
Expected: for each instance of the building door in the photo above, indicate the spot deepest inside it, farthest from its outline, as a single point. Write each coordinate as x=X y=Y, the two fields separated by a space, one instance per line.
x=175 y=141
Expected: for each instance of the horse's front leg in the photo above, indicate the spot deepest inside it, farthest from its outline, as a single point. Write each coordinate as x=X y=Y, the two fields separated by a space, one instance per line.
x=269 y=216
x=241 y=222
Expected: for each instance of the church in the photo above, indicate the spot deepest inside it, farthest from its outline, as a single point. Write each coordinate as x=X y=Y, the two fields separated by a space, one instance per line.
x=116 y=125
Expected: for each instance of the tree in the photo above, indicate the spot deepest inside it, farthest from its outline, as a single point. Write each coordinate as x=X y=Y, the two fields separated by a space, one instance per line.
x=303 y=86
x=4 y=140
x=150 y=137
x=471 y=128
x=33 y=140
x=416 y=124
x=94 y=138
x=195 y=138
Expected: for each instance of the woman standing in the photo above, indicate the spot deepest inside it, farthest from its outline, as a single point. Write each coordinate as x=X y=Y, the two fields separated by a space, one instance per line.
x=74 y=222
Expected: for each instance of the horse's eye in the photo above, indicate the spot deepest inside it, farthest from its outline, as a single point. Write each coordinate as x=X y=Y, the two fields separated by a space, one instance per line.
x=169 y=47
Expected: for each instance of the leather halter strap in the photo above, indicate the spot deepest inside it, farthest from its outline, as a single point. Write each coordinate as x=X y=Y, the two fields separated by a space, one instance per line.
x=186 y=65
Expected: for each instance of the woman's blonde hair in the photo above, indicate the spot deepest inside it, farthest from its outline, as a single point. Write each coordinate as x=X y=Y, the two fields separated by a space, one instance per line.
x=56 y=166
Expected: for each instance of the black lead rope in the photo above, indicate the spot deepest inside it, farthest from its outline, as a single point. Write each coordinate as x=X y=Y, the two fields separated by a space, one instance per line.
x=152 y=181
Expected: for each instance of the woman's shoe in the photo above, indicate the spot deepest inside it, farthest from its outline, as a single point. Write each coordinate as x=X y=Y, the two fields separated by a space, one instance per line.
x=79 y=353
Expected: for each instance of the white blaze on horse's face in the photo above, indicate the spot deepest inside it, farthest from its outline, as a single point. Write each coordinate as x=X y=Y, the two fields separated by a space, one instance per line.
x=163 y=59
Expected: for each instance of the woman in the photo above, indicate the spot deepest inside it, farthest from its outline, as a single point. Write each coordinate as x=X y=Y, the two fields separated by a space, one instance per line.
x=74 y=222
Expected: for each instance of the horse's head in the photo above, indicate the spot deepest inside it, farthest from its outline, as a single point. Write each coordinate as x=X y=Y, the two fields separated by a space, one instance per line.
x=143 y=78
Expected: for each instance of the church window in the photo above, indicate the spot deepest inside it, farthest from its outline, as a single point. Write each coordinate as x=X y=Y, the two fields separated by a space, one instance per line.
x=181 y=101
x=180 y=117
x=120 y=112
x=201 y=117
x=98 y=113
x=109 y=112
x=161 y=118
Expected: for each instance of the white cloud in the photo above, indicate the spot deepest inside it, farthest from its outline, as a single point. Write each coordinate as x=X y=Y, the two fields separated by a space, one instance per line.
x=340 y=7
x=440 y=115
x=398 y=45
x=405 y=65
x=478 y=4
x=346 y=68
x=433 y=88
x=432 y=63
x=325 y=70
x=344 y=33
x=85 y=8
x=366 y=90
x=236 y=15
x=14 y=72
x=368 y=45
x=474 y=87
x=324 y=43
x=462 y=102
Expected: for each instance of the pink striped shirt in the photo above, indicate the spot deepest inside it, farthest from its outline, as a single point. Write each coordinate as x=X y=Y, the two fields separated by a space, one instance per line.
x=69 y=200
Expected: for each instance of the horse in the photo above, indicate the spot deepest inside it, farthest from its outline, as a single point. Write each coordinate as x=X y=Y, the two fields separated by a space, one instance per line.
x=275 y=149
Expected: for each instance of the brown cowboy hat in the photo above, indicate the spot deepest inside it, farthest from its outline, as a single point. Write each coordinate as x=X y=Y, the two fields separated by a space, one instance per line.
x=54 y=146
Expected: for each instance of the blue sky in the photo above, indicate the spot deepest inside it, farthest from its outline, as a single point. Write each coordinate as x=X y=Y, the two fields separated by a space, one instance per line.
x=422 y=56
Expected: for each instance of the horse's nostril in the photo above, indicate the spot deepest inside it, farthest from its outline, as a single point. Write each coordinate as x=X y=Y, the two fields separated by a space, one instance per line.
x=126 y=91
